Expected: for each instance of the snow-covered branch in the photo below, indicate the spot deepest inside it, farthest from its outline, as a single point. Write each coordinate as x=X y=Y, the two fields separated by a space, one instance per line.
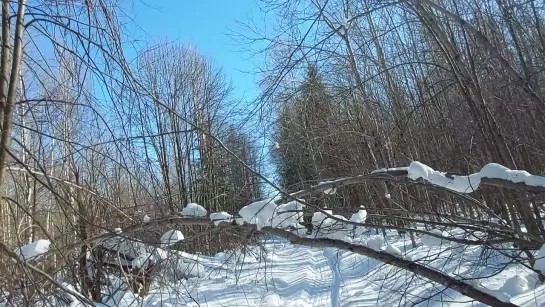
x=491 y=174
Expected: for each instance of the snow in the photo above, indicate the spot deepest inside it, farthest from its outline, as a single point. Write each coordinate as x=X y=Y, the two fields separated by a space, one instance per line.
x=118 y=230
x=125 y=246
x=68 y=286
x=388 y=196
x=221 y=256
x=328 y=191
x=359 y=217
x=34 y=250
x=160 y=253
x=432 y=241
x=171 y=237
x=375 y=242
x=318 y=217
x=391 y=249
x=271 y=256
x=392 y=169
x=146 y=219
x=182 y=268
x=221 y=217
x=259 y=213
x=468 y=184
x=301 y=276
x=289 y=214
x=540 y=260
x=142 y=261
x=194 y=210
x=321 y=224
x=515 y=285
x=338 y=229
x=272 y=300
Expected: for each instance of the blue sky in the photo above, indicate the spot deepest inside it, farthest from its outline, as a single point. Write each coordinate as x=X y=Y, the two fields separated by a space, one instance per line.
x=204 y=24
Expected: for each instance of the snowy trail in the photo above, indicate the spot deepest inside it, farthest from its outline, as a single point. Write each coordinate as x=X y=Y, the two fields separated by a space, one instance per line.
x=297 y=276
x=332 y=257
x=303 y=278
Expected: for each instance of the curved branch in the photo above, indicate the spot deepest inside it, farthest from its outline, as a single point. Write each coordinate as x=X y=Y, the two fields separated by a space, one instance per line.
x=418 y=269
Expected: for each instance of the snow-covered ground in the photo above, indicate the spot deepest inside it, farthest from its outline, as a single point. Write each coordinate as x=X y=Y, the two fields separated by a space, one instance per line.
x=292 y=275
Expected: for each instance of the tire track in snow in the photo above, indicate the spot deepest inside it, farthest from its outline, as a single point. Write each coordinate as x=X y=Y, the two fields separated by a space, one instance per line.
x=331 y=255
x=305 y=281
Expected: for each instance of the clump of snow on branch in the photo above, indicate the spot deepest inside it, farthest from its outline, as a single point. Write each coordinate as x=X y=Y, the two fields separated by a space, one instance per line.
x=337 y=226
x=384 y=170
x=118 y=230
x=33 y=250
x=328 y=191
x=359 y=217
x=220 y=217
x=321 y=223
x=467 y=184
x=515 y=285
x=259 y=213
x=432 y=241
x=391 y=249
x=339 y=229
x=375 y=242
x=171 y=237
x=288 y=214
x=194 y=210
x=146 y=219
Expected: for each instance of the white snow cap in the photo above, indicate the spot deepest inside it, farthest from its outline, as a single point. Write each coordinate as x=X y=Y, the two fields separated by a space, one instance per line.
x=375 y=242
x=467 y=184
x=319 y=218
x=359 y=217
x=515 y=285
x=432 y=241
x=288 y=214
x=259 y=213
x=390 y=249
x=339 y=228
x=321 y=223
x=146 y=219
x=193 y=209
x=171 y=237
x=219 y=217
x=33 y=250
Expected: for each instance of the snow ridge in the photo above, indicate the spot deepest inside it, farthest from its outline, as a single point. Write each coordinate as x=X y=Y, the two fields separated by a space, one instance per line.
x=468 y=184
